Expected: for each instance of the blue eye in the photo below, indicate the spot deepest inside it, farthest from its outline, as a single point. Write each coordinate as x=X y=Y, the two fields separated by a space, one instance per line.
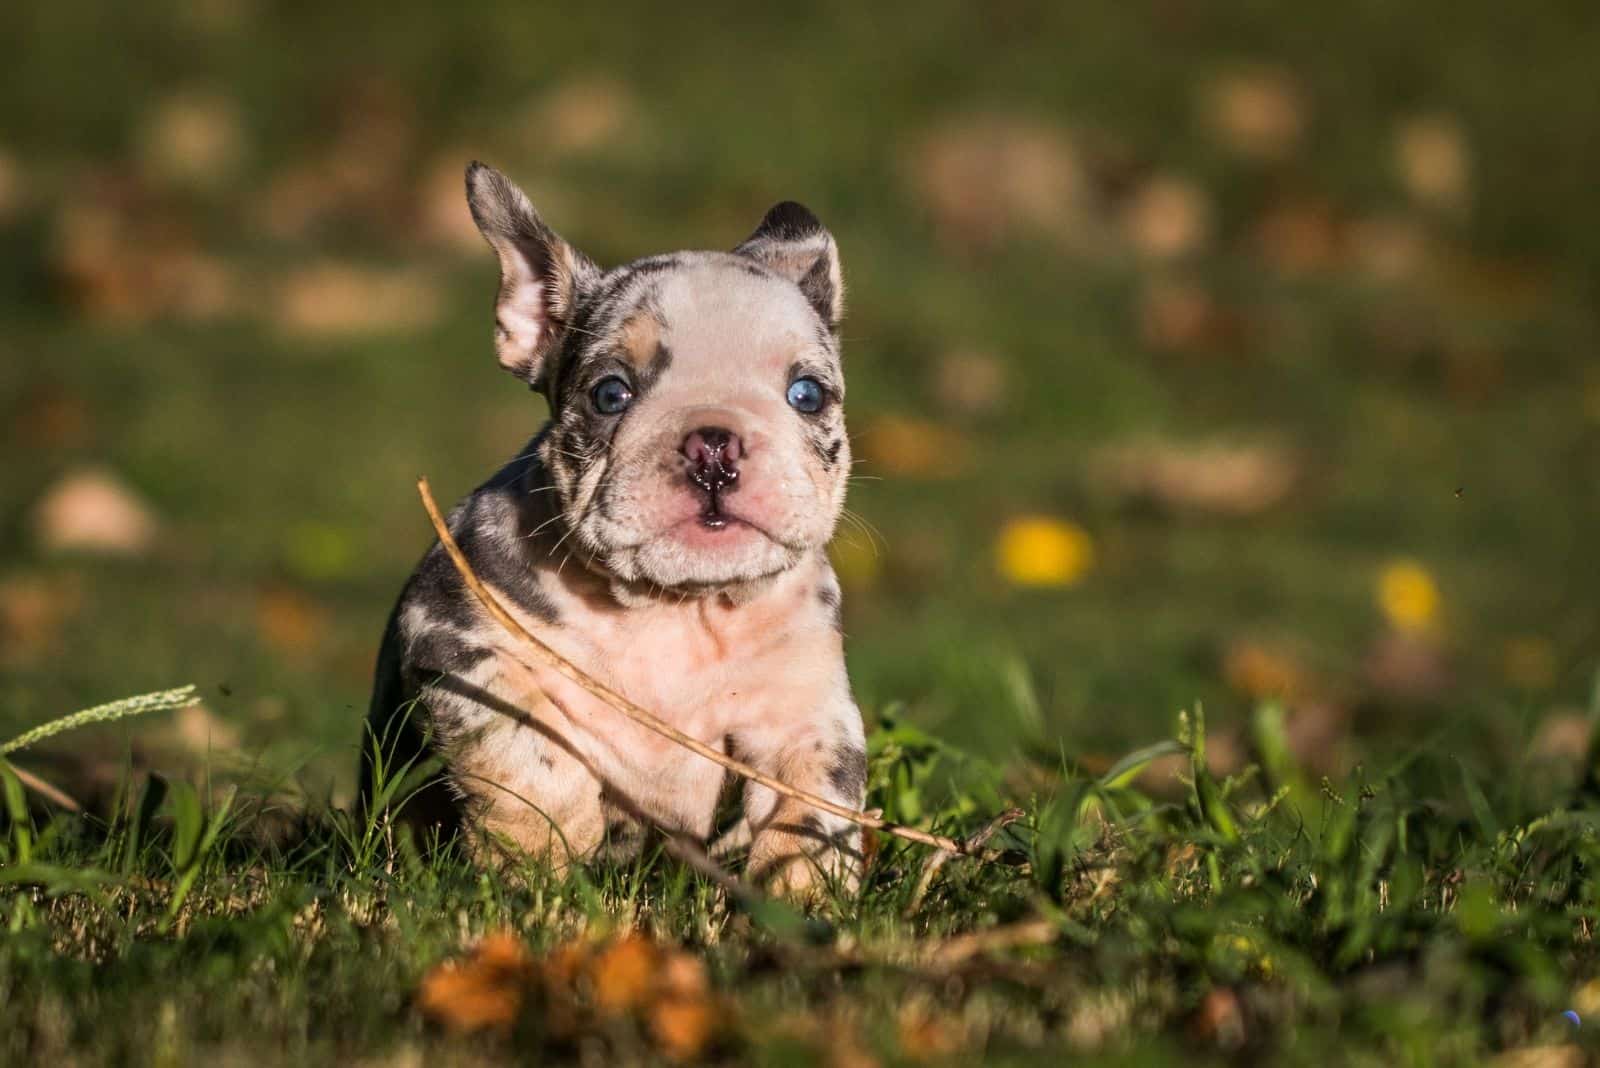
x=611 y=395
x=806 y=395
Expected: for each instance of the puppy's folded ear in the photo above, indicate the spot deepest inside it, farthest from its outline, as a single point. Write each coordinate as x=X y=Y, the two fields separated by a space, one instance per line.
x=792 y=242
x=541 y=276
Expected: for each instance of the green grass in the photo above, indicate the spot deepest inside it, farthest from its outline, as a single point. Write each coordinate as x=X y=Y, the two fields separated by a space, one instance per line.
x=1449 y=415
x=1408 y=914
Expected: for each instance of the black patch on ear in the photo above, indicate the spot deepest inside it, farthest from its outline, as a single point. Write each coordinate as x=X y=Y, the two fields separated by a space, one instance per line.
x=789 y=221
x=848 y=773
x=817 y=285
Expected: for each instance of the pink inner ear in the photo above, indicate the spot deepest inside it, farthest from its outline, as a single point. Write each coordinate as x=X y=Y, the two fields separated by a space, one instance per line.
x=522 y=314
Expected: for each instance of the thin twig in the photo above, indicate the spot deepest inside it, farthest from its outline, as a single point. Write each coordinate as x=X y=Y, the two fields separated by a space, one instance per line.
x=649 y=720
x=45 y=790
x=973 y=846
x=1036 y=932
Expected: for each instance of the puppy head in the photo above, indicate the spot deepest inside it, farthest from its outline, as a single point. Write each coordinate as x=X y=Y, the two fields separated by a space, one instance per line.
x=697 y=434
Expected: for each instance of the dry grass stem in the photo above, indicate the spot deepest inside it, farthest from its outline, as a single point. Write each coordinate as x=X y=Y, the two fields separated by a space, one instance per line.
x=649 y=720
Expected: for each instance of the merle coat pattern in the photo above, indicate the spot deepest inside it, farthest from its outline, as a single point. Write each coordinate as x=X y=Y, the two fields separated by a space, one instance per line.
x=665 y=531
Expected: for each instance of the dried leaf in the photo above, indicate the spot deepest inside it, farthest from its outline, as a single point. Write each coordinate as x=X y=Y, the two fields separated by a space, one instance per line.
x=1407 y=667
x=1224 y=478
x=290 y=621
x=194 y=137
x=990 y=177
x=199 y=731
x=683 y=1026
x=1389 y=248
x=1563 y=737
x=923 y=1035
x=579 y=117
x=1255 y=113
x=917 y=448
x=625 y=973
x=483 y=991
x=1567 y=1056
x=1432 y=160
x=1300 y=236
x=93 y=511
x=443 y=215
x=1180 y=315
x=33 y=611
x=337 y=299
x=971 y=383
x=1219 y=1019
x=1260 y=670
x=1167 y=217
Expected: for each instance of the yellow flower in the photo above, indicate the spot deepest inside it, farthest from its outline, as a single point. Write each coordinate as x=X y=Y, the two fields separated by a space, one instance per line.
x=1040 y=551
x=1408 y=595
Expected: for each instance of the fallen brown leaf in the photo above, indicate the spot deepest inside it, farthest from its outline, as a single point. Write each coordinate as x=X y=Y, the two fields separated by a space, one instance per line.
x=1167 y=217
x=358 y=174
x=290 y=621
x=986 y=178
x=923 y=1035
x=1565 y=1056
x=1224 y=478
x=1260 y=670
x=91 y=510
x=199 y=731
x=194 y=137
x=970 y=382
x=121 y=257
x=683 y=1026
x=1256 y=113
x=443 y=215
x=1389 y=248
x=907 y=446
x=1300 y=236
x=579 y=116
x=1563 y=736
x=483 y=991
x=335 y=299
x=1432 y=160
x=625 y=973
x=1219 y=1019
x=1180 y=315
x=1407 y=667
x=33 y=611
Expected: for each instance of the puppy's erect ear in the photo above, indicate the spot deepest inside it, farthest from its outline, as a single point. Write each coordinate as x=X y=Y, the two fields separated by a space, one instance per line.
x=792 y=242
x=541 y=275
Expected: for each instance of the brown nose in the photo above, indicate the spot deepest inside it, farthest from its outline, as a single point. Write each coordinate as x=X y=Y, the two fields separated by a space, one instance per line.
x=713 y=454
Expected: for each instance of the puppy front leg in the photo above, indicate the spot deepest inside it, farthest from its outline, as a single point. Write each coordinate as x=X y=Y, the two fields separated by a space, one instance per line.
x=797 y=849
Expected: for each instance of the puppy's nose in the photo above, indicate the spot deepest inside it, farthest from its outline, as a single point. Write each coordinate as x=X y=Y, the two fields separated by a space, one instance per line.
x=713 y=454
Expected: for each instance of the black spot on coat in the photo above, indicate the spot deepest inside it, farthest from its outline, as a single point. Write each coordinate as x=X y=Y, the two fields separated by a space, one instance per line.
x=848 y=772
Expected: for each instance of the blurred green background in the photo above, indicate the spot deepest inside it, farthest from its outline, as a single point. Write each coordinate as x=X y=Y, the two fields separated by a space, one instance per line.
x=1197 y=352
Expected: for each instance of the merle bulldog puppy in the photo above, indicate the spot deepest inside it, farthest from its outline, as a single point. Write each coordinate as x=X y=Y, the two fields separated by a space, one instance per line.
x=666 y=532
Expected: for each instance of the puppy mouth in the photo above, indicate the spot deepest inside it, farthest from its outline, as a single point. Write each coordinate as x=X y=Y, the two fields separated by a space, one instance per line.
x=714 y=515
